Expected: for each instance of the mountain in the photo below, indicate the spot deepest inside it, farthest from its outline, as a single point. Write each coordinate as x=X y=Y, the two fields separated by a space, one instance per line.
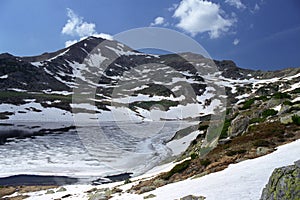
x=109 y=76
x=237 y=113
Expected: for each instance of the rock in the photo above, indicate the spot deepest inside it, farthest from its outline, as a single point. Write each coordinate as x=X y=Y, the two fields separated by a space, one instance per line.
x=284 y=184
x=192 y=197
x=66 y=196
x=50 y=192
x=99 y=196
x=146 y=189
x=116 y=190
x=262 y=151
x=238 y=126
x=297 y=163
x=149 y=196
x=61 y=189
x=284 y=109
x=286 y=119
x=159 y=182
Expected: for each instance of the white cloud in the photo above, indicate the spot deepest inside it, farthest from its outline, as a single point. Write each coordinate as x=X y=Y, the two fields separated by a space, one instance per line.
x=256 y=7
x=70 y=42
x=76 y=27
x=236 y=3
x=199 y=16
x=236 y=41
x=104 y=36
x=158 y=21
x=173 y=7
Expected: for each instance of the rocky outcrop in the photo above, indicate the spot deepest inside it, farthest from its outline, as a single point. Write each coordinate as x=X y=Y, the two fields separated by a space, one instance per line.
x=238 y=126
x=192 y=197
x=284 y=184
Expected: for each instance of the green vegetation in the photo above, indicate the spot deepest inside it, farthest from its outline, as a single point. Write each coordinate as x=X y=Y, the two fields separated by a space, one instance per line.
x=296 y=119
x=127 y=181
x=177 y=169
x=261 y=143
x=280 y=95
x=45 y=97
x=166 y=104
x=203 y=127
x=194 y=142
x=263 y=98
x=247 y=104
x=269 y=112
x=235 y=152
x=256 y=120
x=295 y=91
x=205 y=162
x=149 y=196
x=194 y=156
x=288 y=103
x=155 y=90
x=224 y=132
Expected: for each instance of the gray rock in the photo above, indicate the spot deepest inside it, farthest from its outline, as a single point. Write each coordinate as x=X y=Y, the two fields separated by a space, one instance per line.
x=61 y=189
x=297 y=163
x=192 y=197
x=238 y=126
x=99 y=196
x=284 y=184
x=50 y=192
x=147 y=189
x=262 y=150
x=149 y=196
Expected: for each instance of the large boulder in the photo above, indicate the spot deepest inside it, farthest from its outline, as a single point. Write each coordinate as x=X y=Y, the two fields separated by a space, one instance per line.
x=238 y=125
x=284 y=184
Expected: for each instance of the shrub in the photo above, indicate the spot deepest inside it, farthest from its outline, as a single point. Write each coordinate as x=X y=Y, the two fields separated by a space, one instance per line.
x=177 y=169
x=127 y=181
x=295 y=91
x=224 y=131
x=194 y=142
x=269 y=112
x=194 y=156
x=280 y=95
x=205 y=162
x=288 y=103
x=202 y=127
x=263 y=98
x=296 y=119
x=256 y=120
x=232 y=153
x=248 y=104
x=261 y=143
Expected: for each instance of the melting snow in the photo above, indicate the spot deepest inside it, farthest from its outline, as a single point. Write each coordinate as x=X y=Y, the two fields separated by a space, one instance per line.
x=4 y=76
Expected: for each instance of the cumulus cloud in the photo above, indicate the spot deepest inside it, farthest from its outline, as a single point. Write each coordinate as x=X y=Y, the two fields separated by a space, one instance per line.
x=77 y=27
x=173 y=7
x=199 y=16
x=158 y=21
x=236 y=3
x=236 y=41
x=256 y=8
x=70 y=42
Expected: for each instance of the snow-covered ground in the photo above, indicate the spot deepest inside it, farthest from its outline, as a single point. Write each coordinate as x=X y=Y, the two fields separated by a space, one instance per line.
x=241 y=181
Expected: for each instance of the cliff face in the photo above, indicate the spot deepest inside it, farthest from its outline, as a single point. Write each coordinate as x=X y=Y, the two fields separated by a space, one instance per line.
x=284 y=184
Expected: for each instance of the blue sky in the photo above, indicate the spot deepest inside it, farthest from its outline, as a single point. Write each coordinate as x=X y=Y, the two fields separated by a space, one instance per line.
x=256 y=34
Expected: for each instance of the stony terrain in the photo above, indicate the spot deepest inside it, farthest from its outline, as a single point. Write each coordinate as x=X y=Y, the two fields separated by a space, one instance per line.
x=284 y=183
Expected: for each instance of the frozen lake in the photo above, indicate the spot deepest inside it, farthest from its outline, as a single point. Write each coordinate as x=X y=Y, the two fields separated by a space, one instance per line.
x=86 y=151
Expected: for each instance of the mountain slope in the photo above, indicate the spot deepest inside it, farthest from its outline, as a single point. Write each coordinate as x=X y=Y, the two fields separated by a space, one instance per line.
x=118 y=76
